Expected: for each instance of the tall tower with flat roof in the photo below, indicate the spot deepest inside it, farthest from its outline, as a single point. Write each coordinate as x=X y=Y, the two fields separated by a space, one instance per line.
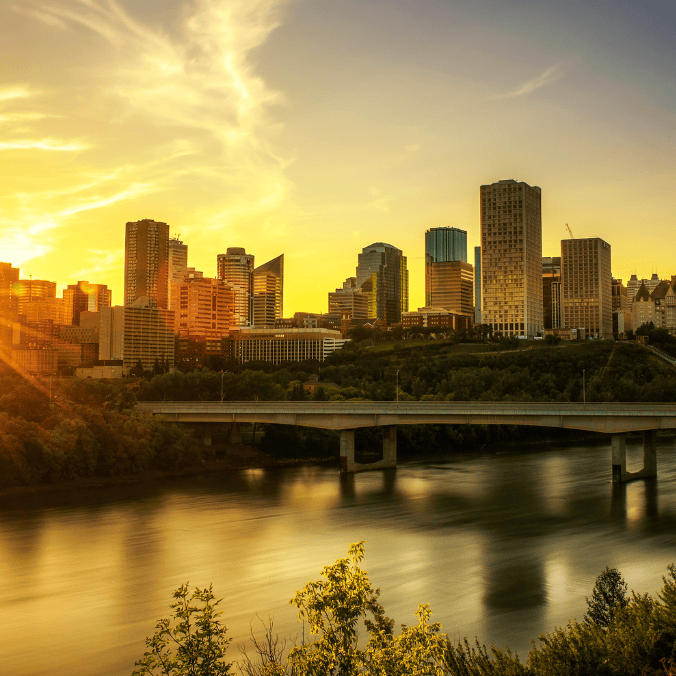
x=146 y=270
x=511 y=258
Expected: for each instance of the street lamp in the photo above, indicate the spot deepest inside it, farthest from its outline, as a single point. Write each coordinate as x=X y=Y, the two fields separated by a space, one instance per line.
x=584 y=391
x=397 y=372
x=221 y=387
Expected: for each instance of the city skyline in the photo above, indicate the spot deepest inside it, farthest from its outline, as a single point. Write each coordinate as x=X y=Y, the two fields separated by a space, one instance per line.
x=280 y=127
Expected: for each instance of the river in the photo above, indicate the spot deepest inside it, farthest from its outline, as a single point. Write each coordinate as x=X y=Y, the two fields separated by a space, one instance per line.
x=503 y=545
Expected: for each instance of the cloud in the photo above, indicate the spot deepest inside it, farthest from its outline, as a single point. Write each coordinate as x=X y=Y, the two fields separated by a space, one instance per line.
x=44 y=144
x=189 y=97
x=547 y=77
x=14 y=92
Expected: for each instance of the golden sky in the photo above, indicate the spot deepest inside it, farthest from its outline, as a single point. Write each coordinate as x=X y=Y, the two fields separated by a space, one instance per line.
x=314 y=128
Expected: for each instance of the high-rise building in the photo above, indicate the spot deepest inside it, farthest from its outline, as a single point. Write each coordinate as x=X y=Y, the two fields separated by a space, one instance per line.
x=449 y=285
x=85 y=297
x=586 y=290
x=446 y=244
x=142 y=331
x=146 y=269
x=9 y=276
x=511 y=258
x=349 y=300
x=551 y=291
x=177 y=258
x=448 y=276
x=202 y=307
x=383 y=275
x=236 y=267
x=478 y=317
x=268 y=293
x=28 y=290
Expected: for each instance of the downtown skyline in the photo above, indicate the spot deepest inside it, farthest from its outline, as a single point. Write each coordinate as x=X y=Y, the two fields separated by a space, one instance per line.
x=310 y=127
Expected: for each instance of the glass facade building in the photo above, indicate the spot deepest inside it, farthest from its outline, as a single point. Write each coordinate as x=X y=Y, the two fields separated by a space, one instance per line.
x=446 y=244
x=477 y=285
x=382 y=275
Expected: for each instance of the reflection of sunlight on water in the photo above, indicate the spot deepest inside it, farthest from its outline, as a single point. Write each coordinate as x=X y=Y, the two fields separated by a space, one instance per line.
x=553 y=485
x=556 y=581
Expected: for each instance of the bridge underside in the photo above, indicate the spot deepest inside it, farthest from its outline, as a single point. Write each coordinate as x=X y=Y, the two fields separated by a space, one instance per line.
x=610 y=418
x=602 y=424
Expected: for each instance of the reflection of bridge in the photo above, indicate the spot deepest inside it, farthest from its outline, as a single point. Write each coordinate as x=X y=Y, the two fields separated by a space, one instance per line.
x=609 y=418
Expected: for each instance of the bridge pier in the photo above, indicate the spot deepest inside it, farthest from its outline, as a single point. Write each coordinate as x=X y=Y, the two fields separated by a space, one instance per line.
x=234 y=434
x=619 y=461
x=347 y=461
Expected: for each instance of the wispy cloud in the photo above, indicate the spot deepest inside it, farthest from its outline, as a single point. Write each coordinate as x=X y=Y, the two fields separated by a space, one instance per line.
x=186 y=117
x=43 y=144
x=547 y=77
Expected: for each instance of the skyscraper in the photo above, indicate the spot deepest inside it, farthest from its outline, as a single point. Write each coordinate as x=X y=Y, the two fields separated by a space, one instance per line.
x=146 y=271
x=551 y=292
x=177 y=261
x=586 y=287
x=85 y=297
x=203 y=307
x=268 y=292
x=478 y=317
x=511 y=258
x=446 y=244
x=383 y=275
x=236 y=267
x=448 y=276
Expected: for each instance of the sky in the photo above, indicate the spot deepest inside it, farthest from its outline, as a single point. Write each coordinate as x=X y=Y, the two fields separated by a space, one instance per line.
x=314 y=128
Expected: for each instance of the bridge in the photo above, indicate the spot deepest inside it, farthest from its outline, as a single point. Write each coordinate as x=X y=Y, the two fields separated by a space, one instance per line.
x=608 y=418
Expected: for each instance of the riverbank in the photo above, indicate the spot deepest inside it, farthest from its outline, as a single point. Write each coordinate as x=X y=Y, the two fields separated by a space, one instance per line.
x=230 y=457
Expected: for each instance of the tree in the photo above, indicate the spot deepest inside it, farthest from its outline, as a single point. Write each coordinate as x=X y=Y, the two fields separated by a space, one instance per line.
x=191 y=643
x=609 y=595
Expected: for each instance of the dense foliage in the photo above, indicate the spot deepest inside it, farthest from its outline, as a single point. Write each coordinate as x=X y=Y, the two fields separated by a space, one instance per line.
x=82 y=429
x=89 y=428
x=639 y=639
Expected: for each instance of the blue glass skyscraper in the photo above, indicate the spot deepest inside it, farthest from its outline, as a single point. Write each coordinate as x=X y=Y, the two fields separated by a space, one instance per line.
x=445 y=244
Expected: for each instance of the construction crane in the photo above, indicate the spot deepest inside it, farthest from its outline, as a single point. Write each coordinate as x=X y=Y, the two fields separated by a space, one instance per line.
x=572 y=236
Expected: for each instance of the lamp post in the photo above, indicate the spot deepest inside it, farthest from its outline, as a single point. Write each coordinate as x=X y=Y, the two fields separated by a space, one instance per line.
x=221 y=387
x=584 y=390
x=397 y=372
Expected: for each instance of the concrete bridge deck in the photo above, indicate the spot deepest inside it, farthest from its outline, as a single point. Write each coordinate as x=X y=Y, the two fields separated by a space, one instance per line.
x=609 y=418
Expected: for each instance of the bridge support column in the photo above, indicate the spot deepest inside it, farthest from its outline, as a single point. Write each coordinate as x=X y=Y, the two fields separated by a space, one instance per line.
x=619 y=446
x=649 y=453
x=234 y=434
x=206 y=434
x=389 y=446
x=347 y=451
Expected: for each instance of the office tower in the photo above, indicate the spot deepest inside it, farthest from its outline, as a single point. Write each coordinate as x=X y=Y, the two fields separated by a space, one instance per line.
x=177 y=258
x=478 y=319
x=85 y=297
x=449 y=285
x=446 y=244
x=268 y=293
x=146 y=273
x=349 y=300
x=29 y=290
x=586 y=289
x=448 y=276
x=551 y=292
x=203 y=307
x=236 y=267
x=9 y=276
x=619 y=295
x=511 y=258
x=383 y=275
x=142 y=331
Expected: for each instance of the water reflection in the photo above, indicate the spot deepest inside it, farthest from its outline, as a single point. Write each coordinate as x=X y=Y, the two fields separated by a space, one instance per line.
x=503 y=546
